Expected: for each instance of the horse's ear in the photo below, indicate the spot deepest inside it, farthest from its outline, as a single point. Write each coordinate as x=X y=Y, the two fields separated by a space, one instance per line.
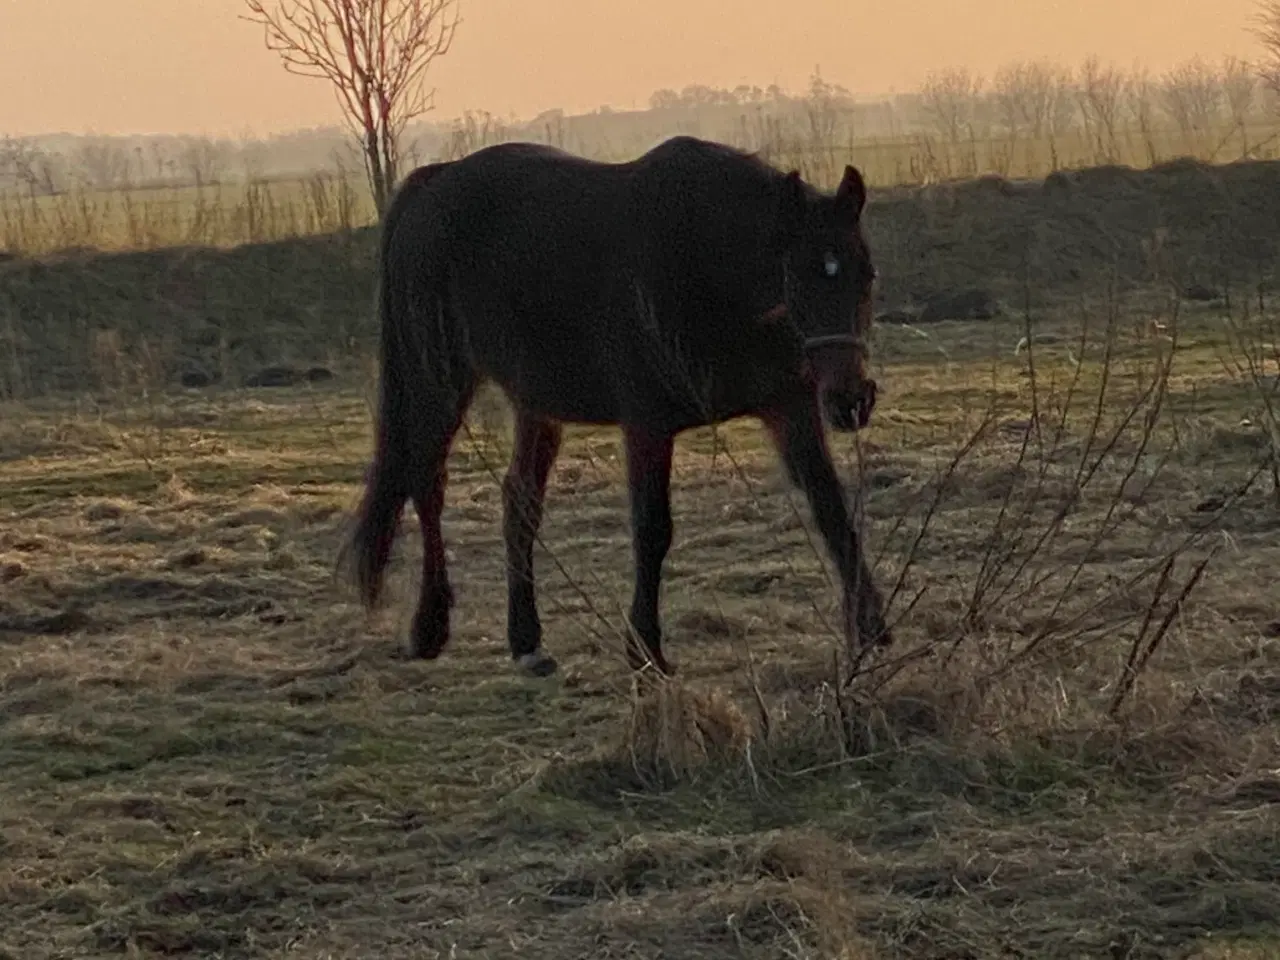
x=851 y=196
x=791 y=207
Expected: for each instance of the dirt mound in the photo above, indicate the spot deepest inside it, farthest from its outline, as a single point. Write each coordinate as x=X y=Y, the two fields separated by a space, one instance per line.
x=190 y=316
x=197 y=316
x=1184 y=222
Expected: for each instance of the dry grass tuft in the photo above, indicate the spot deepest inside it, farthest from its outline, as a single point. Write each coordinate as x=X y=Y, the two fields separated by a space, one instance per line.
x=789 y=919
x=675 y=731
x=113 y=509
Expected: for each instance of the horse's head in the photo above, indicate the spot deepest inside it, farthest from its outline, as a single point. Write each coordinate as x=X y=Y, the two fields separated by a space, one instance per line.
x=829 y=283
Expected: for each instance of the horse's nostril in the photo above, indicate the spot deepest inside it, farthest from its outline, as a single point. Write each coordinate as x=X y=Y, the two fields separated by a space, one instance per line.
x=841 y=414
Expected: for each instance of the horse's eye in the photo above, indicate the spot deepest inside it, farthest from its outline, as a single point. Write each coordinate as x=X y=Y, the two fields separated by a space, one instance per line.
x=830 y=265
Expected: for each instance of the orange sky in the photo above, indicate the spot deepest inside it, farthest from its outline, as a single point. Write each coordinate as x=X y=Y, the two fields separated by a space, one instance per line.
x=113 y=66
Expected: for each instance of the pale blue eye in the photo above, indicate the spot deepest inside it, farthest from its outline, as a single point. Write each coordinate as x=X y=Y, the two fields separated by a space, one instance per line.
x=831 y=265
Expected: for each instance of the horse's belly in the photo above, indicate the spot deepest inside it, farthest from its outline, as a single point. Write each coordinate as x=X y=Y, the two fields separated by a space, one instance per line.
x=570 y=387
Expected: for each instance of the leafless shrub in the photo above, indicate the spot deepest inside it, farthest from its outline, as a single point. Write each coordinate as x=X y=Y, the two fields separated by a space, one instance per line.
x=1251 y=354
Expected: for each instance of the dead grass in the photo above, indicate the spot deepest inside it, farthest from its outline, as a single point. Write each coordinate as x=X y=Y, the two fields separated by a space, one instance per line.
x=208 y=751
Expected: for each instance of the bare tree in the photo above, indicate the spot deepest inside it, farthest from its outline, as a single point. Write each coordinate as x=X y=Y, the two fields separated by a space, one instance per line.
x=375 y=54
x=1032 y=98
x=1012 y=96
x=1101 y=92
x=825 y=105
x=203 y=160
x=1192 y=94
x=1141 y=103
x=1240 y=90
x=664 y=99
x=949 y=98
x=1267 y=30
x=254 y=156
x=26 y=165
x=102 y=163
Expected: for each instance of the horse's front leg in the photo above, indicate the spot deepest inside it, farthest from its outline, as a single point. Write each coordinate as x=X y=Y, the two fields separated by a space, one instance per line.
x=649 y=482
x=797 y=432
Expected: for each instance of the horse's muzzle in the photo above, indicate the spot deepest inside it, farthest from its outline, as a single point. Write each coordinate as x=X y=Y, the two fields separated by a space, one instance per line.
x=847 y=396
x=840 y=415
x=847 y=413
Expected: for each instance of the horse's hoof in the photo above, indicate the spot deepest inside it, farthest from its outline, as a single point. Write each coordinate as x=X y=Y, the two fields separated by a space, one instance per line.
x=424 y=651
x=866 y=640
x=536 y=664
x=865 y=627
x=875 y=634
x=426 y=644
x=643 y=659
x=429 y=634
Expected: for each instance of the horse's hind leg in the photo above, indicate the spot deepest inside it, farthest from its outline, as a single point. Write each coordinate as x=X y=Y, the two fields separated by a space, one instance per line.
x=433 y=437
x=537 y=442
x=649 y=481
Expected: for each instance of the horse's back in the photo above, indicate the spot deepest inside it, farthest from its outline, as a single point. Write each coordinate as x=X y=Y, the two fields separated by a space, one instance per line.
x=543 y=195
x=554 y=259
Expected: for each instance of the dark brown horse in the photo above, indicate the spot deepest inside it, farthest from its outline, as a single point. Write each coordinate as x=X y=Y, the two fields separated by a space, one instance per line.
x=689 y=286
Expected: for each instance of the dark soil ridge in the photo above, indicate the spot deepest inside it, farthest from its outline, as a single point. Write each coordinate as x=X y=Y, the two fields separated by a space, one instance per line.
x=198 y=316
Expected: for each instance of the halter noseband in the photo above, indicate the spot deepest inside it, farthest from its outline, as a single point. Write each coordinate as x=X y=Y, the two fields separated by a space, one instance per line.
x=780 y=312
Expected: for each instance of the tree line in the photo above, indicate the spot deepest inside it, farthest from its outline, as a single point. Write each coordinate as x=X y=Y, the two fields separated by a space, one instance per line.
x=375 y=54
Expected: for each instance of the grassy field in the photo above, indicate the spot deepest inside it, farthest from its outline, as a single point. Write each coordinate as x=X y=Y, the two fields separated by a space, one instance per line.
x=1072 y=751
x=219 y=215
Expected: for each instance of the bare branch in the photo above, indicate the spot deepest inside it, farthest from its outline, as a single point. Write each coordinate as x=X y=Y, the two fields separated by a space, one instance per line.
x=375 y=54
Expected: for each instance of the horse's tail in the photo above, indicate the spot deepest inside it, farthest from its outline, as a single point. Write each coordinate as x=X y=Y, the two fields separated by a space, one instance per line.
x=401 y=369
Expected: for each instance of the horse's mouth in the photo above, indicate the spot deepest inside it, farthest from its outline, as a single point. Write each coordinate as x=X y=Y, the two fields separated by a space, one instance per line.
x=847 y=396
x=847 y=413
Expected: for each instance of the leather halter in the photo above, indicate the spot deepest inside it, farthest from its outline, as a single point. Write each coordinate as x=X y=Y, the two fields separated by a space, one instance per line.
x=780 y=312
